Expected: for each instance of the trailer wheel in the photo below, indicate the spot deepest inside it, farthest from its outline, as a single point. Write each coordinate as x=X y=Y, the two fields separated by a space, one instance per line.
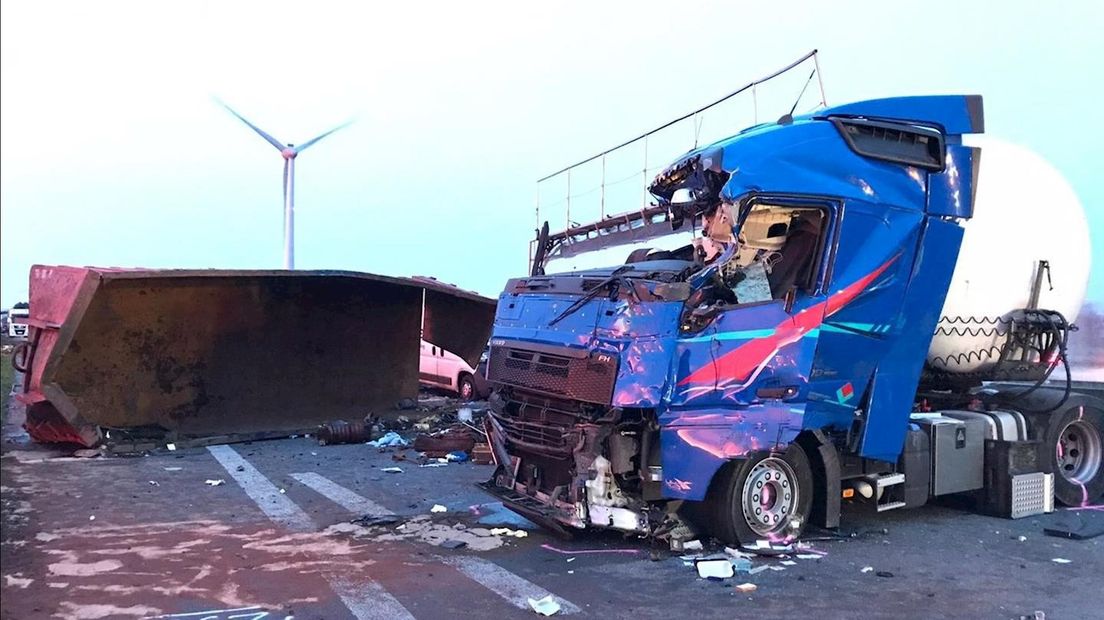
x=1074 y=445
x=766 y=496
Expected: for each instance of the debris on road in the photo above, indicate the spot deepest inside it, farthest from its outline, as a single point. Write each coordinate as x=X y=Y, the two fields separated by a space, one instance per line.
x=505 y=531
x=438 y=508
x=391 y=470
x=1060 y=561
x=340 y=431
x=867 y=569
x=370 y=520
x=453 y=544
x=154 y=483
x=171 y=447
x=457 y=438
x=86 y=453
x=391 y=439
x=546 y=606
x=215 y=483
x=747 y=587
x=692 y=545
x=173 y=468
x=457 y=456
x=720 y=568
x=586 y=551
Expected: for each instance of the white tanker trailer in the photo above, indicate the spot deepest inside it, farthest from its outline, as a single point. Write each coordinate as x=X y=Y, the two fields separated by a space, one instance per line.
x=1026 y=247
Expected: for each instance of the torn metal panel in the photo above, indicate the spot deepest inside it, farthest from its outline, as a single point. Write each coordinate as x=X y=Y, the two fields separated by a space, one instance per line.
x=218 y=352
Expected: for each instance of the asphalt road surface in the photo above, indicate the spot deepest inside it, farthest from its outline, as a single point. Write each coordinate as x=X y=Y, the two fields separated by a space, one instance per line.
x=149 y=537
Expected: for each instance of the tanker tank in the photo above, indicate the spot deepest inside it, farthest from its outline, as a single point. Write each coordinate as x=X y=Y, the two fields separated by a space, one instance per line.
x=1025 y=212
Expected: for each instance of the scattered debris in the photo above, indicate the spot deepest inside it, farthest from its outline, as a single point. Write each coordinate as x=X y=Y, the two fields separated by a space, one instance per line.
x=392 y=470
x=464 y=414
x=1061 y=561
x=453 y=544
x=173 y=468
x=809 y=556
x=789 y=563
x=86 y=453
x=457 y=456
x=339 y=431
x=406 y=404
x=721 y=568
x=757 y=570
x=438 y=508
x=481 y=454
x=215 y=483
x=154 y=483
x=868 y=569
x=171 y=447
x=586 y=551
x=91 y=517
x=434 y=464
x=546 y=606
x=692 y=545
x=370 y=520
x=391 y=439
x=453 y=439
x=747 y=587
x=505 y=531
x=1077 y=525
x=1022 y=538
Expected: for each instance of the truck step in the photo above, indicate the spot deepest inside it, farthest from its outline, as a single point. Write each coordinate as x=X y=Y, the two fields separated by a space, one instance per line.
x=888 y=480
x=890 y=506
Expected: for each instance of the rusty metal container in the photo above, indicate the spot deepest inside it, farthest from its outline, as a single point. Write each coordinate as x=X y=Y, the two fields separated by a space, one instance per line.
x=214 y=352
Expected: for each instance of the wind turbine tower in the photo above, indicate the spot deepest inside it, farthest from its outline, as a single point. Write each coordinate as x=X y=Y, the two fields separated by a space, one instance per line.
x=289 y=152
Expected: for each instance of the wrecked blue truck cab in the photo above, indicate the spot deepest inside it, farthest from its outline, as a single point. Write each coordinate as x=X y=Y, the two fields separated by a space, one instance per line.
x=771 y=310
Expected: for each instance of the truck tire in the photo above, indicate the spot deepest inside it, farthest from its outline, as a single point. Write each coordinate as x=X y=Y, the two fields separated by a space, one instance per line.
x=763 y=497
x=1073 y=445
x=465 y=387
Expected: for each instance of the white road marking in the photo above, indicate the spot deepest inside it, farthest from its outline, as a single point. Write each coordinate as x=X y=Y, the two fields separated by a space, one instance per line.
x=341 y=496
x=514 y=589
x=261 y=490
x=368 y=600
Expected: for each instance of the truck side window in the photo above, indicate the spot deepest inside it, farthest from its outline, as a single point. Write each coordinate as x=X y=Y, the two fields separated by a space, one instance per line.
x=789 y=241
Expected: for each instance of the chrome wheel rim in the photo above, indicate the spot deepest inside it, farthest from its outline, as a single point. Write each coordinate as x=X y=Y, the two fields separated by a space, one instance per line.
x=770 y=496
x=1079 y=452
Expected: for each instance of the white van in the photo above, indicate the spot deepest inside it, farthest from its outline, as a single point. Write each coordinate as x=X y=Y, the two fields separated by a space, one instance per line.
x=441 y=369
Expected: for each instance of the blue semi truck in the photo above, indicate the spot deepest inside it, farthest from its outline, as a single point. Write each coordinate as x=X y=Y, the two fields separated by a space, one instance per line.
x=745 y=384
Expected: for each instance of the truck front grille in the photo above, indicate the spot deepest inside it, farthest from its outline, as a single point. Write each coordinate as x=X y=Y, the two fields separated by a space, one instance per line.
x=587 y=379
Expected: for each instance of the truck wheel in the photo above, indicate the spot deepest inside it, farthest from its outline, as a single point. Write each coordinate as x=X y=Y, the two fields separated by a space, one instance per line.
x=1074 y=444
x=466 y=387
x=763 y=497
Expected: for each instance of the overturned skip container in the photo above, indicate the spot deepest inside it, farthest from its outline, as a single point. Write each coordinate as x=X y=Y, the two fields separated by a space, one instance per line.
x=215 y=352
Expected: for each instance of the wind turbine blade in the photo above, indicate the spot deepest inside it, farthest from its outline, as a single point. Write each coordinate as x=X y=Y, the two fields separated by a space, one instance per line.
x=273 y=141
x=302 y=147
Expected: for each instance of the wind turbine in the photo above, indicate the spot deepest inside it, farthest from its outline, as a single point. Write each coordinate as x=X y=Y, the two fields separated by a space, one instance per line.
x=289 y=153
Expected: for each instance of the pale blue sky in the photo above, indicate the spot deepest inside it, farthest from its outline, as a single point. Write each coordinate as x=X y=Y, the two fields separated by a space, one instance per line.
x=114 y=154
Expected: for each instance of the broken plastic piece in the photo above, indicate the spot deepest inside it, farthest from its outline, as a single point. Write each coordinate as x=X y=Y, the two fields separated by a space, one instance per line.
x=747 y=587
x=457 y=456
x=438 y=508
x=390 y=440
x=868 y=569
x=714 y=568
x=692 y=545
x=170 y=446
x=546 y=606
x=215 y=483
x=392 y=470
x=1061 y=561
